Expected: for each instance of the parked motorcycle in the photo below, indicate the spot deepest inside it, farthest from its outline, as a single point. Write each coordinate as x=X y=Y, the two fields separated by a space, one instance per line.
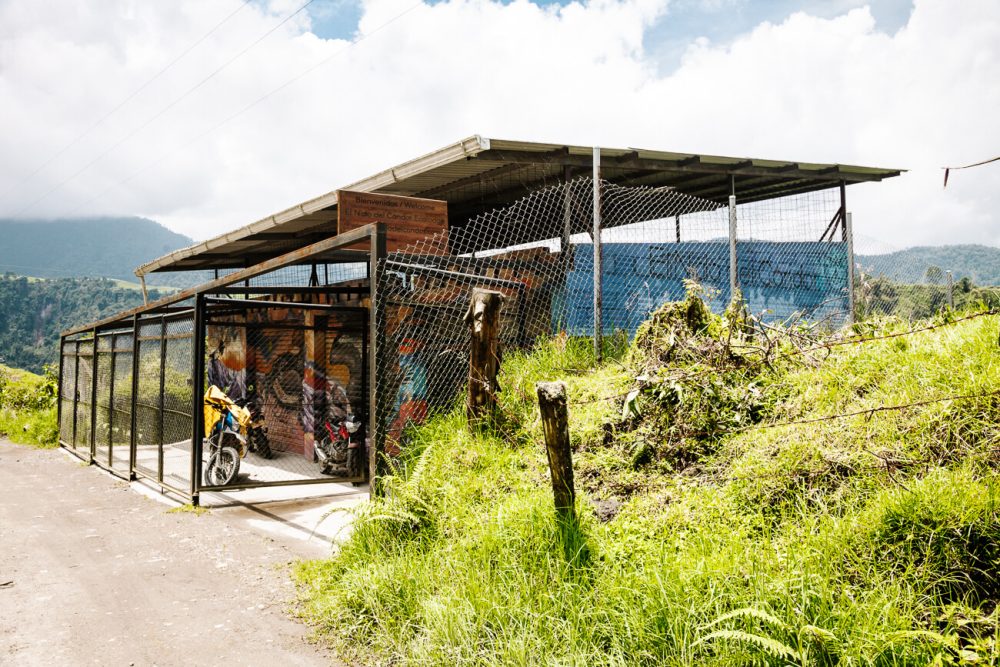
x=226 y=425
x=256 y=431
x=340 y=450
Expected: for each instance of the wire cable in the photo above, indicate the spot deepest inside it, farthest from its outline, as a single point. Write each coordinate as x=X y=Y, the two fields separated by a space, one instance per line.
x=246 y=108
x=160 y=113
x=127 y=99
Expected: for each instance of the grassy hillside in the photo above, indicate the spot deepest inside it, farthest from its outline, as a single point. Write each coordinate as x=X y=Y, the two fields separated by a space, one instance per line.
x=979 y=263
x=89 y=247
x=28 y=407
x=706 y=537
x=33 y=312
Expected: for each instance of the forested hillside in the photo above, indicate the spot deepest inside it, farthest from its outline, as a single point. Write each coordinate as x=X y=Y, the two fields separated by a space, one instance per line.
x=979 y=263
x=34 y=311
x=88 y=247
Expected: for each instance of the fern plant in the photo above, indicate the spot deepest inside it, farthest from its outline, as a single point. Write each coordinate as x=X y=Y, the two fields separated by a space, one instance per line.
x=777 y=644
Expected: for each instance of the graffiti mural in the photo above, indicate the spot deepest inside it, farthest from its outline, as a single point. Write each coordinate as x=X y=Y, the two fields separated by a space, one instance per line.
x=778 y=279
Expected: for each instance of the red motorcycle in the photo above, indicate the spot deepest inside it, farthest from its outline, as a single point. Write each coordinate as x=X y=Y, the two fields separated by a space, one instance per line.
x=340 y=451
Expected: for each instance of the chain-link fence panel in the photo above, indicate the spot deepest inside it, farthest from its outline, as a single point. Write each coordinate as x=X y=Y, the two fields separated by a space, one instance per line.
x=121 y=402
x=148 y=411
x=67 y=392
x=539 y=253
x=793 y=259
x=82 y=435
x=177 y=399
x=299 y=367
x=102 y=399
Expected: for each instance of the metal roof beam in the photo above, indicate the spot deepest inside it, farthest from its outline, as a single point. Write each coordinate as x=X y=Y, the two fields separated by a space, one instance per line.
x=358 y=235
x=742 y=168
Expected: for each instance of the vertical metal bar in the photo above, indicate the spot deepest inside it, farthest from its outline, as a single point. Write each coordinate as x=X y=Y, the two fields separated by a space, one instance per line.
x=163 y=387
x=843 y=213
x=76 y=388
x=677 y=228
x=93 y=400
x=849 y=237
x=133 y=437
x=598 y=300
x=197 y=388
x=59 y=387
x=111 y=405
x=733 y=276
x=376 y=462
x=951 y=290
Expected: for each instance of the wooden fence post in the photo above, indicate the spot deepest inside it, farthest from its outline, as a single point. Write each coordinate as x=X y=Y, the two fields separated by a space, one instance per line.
x=555 y=422
x=483 y=318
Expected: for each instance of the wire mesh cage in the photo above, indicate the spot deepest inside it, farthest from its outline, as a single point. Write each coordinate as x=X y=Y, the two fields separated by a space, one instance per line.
x=300 y=370
x=538 y=252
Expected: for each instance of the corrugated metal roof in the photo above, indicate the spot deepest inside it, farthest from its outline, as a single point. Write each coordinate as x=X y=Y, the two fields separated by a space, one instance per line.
x=479 y=174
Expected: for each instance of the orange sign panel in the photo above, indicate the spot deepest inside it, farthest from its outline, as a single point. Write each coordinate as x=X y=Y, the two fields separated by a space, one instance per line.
x=408 y=220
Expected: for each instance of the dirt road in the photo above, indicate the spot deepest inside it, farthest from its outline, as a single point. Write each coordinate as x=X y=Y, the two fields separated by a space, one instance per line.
x=92 y=573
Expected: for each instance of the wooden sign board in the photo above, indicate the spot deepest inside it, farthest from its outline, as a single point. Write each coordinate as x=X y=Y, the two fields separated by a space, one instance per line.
x=408 y=220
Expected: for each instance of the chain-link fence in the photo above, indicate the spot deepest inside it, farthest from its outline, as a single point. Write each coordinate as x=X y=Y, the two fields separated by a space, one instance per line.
x=539 y=253
x=330 y=376
x=919 y=282
x=300 y=370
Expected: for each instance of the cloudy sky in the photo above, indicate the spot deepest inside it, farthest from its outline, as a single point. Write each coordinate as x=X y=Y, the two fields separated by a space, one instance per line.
x=209 y=114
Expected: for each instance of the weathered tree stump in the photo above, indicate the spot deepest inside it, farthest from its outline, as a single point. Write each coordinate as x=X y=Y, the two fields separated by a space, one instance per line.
x=483 y=318
x=555 y=422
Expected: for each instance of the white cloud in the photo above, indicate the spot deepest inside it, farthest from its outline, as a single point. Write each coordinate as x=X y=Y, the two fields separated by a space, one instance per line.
x=807 y=89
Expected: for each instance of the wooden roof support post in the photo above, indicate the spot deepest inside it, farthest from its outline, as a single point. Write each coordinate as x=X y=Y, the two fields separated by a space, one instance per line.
x=483 y=319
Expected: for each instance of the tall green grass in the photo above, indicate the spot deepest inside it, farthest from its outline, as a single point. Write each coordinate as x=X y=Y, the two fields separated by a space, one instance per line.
x=862 y=541
x=28 y=407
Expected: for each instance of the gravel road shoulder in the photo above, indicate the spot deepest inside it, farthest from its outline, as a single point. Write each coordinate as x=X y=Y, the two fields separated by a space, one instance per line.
x=93 y=573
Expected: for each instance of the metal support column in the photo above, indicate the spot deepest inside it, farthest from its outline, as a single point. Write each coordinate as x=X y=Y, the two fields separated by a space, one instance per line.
x=849 y=238
x=733 y=278
x=843 y=213
x=598 y=297
x=197 y=389
x=163 y=390
x=376 y=426
x=59 y=389
x=677 y=228
x=133 y=441
x=93 y=401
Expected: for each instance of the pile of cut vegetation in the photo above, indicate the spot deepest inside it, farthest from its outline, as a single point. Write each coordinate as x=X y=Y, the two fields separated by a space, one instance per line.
x=747 y=495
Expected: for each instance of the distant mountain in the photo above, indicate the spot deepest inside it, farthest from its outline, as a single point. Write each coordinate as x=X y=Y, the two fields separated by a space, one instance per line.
x=89 y=247
x=978 y=262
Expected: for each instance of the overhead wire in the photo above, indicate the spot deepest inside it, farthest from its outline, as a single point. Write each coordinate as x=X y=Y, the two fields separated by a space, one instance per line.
x=178 y=148
x=80 y=137
x=162 y=111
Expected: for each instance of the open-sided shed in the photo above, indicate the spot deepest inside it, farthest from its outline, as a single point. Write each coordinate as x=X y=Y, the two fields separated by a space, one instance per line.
x=353 y=302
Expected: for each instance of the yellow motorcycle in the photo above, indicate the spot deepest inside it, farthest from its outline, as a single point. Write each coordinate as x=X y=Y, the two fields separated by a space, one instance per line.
x=226 y=425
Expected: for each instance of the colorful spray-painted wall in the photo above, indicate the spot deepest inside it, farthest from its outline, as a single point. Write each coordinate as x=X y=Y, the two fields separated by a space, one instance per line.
x=778 y=280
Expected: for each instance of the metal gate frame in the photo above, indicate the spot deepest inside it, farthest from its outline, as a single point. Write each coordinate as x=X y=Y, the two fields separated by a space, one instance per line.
x=256 y=304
